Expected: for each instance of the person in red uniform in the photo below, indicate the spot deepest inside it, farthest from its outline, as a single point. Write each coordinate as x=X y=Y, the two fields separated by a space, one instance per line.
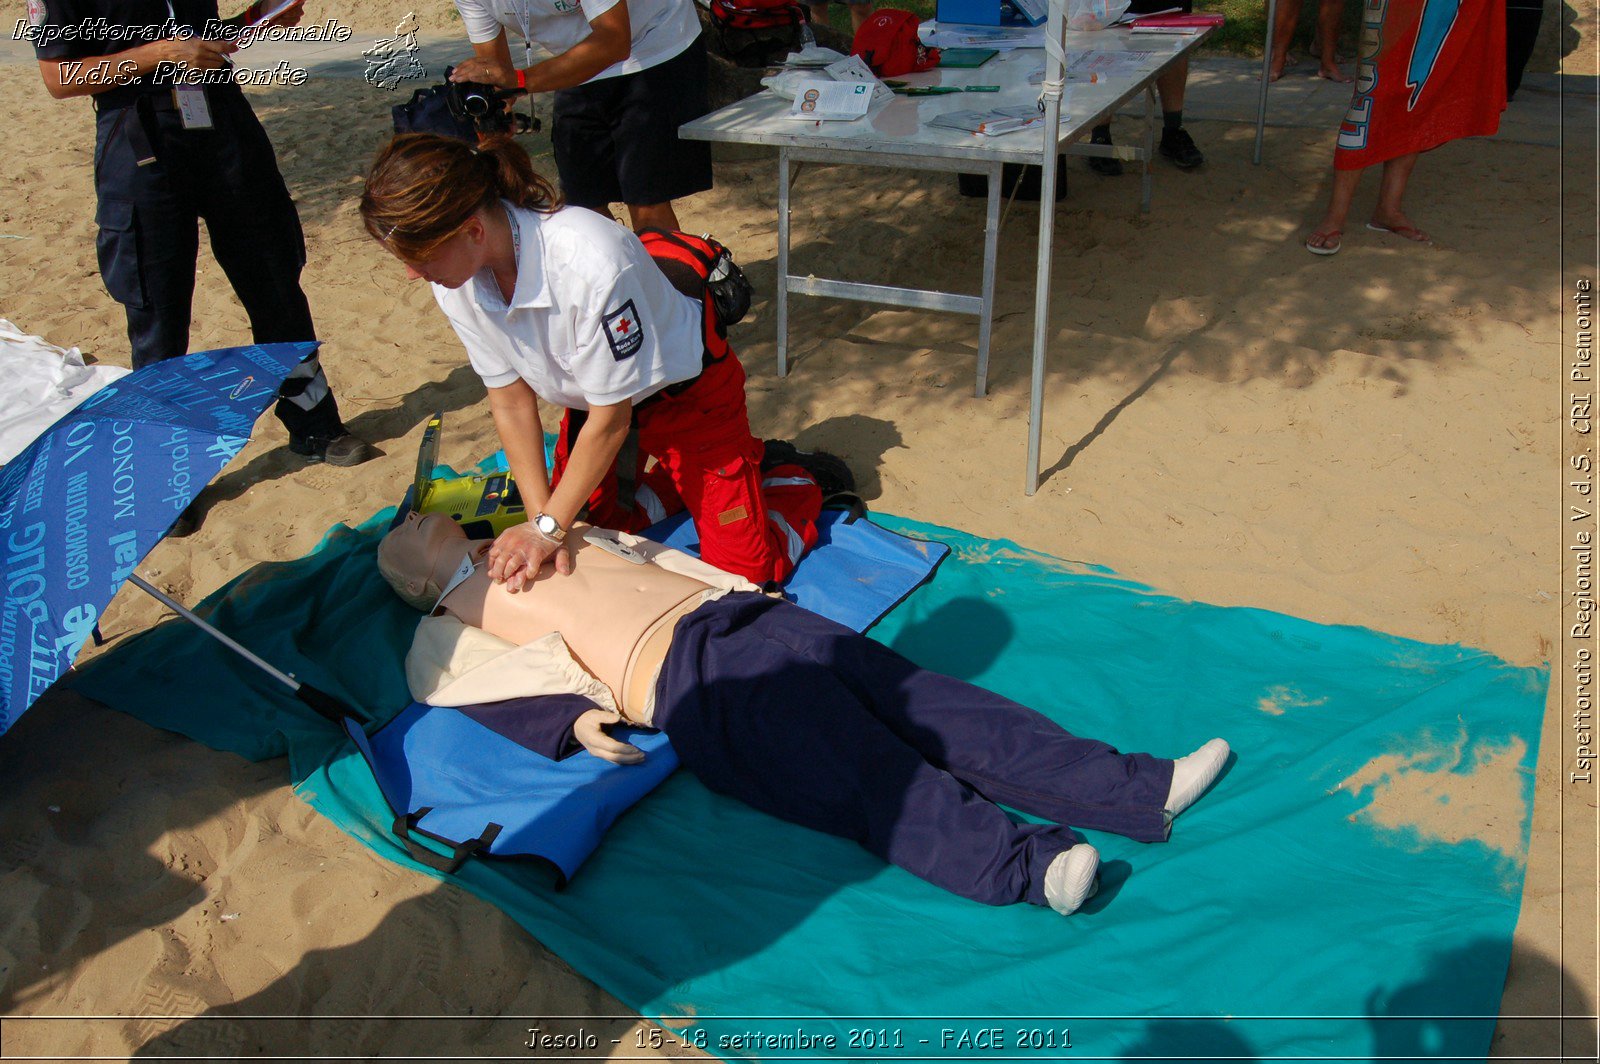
x=563 y=304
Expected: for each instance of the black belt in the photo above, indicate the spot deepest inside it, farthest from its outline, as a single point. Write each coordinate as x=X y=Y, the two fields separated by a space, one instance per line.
x=673 y=390
x=159 y=97
x=140 y=103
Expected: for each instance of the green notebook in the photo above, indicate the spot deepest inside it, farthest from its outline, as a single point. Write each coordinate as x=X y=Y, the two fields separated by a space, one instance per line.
x=965 y=57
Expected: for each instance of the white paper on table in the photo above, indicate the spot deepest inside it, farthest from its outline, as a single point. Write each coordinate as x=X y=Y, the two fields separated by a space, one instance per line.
x=854 y=69
x=991 y=123
x=1035 y=11
x=831 y=100
x=1099 y=66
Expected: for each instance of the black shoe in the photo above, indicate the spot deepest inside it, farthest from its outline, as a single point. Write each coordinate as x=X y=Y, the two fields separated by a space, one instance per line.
x=829 y=471
x=339 y=449
x=1178 y=148
x=848 y=502
x=1102 y=166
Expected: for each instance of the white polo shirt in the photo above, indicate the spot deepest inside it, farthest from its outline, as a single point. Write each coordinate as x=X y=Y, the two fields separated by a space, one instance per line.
x=592 y=321
x=661 y=28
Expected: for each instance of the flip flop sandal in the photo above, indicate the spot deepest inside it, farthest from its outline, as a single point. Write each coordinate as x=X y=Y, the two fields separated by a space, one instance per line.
x=1326 y=248
x=1409 y=232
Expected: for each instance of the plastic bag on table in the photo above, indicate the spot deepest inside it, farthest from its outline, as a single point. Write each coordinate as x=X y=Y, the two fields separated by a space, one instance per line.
x=1094 y=14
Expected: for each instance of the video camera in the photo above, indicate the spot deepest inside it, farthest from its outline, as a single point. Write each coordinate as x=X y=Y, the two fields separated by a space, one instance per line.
x=462 y=110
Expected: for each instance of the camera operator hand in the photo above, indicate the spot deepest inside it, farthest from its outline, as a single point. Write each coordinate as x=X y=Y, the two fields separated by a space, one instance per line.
x=195 y=52
x=289 y=17
x=485 y=71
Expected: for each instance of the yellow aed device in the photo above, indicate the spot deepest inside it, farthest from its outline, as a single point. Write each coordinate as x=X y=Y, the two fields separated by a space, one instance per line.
x=483 y=504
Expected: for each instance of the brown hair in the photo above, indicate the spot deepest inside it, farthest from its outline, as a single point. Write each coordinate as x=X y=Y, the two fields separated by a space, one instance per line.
x=423 y=188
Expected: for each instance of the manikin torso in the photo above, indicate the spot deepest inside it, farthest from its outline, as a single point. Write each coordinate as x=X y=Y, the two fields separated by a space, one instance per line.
x=603 y=608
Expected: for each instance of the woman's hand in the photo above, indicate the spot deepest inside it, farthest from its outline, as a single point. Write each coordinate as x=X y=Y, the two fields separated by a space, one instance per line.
x=519 y=551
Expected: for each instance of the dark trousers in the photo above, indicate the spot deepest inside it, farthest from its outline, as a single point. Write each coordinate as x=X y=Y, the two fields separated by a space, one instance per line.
x=811 y=722
x=1522 y=30
x=149 y=236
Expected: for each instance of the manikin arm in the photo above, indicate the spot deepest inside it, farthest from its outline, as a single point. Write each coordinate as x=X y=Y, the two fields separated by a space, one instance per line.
x=557 y=726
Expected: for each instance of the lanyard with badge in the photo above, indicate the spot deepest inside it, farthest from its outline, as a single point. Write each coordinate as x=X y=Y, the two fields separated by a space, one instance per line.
x=194 y=110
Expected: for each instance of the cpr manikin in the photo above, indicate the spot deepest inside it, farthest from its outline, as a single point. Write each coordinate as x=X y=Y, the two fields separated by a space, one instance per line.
x=782 y=709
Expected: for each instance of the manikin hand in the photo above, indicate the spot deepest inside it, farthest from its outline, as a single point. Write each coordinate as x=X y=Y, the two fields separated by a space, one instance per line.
x=590 y=730
x=518 y=552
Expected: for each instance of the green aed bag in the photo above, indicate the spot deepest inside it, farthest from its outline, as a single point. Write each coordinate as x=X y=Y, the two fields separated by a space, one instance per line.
x=483 y=504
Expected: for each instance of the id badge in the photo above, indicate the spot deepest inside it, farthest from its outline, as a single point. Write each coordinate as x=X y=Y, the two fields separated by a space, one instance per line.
x=194 y=111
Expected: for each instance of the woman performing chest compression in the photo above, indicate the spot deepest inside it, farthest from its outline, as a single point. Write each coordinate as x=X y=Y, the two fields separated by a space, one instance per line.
x=562 y=304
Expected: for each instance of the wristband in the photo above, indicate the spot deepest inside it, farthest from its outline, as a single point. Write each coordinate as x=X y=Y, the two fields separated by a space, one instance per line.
x=522 y=80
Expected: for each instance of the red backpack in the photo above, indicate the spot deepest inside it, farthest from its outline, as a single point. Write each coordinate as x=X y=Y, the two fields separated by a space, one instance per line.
x=755 y=33
x=701 y=268
x=888 y=42
x=756 y=14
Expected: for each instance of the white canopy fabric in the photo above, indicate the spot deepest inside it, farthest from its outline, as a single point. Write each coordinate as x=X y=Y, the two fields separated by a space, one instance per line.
x=39 y=382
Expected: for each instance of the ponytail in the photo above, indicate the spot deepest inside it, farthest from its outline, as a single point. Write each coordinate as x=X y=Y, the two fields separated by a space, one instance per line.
x=423 y=188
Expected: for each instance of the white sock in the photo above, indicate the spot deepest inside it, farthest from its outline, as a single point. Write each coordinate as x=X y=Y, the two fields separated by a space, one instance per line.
x=1070 y=880
x=1193 y=773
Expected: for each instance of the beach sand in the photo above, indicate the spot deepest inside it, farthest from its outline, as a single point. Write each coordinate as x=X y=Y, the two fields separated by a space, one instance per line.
x=1368 y=440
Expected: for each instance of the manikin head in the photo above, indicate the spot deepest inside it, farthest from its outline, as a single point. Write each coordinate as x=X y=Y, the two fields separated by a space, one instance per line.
x=420 y=555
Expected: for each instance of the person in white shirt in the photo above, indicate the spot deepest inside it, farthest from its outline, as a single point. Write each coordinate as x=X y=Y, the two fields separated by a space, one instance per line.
x=563 y=305
x=626 y=74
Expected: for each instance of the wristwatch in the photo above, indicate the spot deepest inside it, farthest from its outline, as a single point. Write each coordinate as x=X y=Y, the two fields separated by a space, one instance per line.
x=549 y=528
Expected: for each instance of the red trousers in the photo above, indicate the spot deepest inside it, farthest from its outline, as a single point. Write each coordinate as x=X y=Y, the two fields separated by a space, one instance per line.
x=751 y=524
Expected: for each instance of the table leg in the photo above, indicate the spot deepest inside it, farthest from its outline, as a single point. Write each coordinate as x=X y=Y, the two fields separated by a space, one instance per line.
x=783 y=262
x=1149 y=147
x=991 y=245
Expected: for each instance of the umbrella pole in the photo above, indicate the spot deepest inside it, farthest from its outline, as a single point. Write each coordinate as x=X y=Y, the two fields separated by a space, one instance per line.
x=321 y=701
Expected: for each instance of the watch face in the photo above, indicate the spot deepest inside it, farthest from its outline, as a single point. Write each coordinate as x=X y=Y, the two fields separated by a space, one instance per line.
x=547 y=524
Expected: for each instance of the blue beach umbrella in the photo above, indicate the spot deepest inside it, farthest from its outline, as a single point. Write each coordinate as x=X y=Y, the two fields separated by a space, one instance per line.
x=88 y=499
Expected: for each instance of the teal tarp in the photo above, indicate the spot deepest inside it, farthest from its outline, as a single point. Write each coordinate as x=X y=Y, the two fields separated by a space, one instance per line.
x=1363 y=856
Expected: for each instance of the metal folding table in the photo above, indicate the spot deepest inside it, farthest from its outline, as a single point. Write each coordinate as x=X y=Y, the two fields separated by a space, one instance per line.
x=897 y=134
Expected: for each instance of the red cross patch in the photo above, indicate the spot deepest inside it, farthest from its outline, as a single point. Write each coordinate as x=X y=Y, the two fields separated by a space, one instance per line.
x=623 y=331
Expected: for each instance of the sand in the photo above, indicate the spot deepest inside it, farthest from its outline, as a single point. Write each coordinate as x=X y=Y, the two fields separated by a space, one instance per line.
x=1370 y=440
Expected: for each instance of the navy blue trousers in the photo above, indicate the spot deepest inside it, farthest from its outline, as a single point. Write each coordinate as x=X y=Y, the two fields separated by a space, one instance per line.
x=149 y=218
x=816 y=724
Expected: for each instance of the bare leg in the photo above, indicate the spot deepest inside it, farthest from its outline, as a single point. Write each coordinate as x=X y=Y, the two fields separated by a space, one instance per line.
x=652 y=216
x=859 y=13
x=1170 y=85
x=1282 y=32
x=1328 y=16
x=1396 y=172
x=819 y=13
x=1330 y=233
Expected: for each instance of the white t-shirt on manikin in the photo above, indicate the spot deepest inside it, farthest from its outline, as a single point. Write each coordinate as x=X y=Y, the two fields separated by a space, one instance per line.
x=661 y=28
x=592 y=321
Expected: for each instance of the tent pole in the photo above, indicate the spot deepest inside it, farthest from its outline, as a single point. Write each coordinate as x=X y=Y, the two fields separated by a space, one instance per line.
x=1266 y=76
x=1055 y=64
